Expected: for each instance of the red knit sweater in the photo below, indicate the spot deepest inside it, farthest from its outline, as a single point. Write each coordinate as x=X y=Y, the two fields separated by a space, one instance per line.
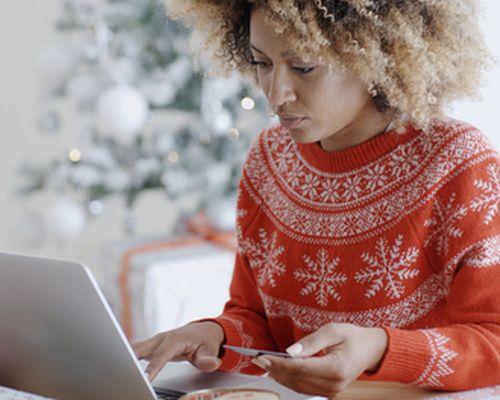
x=400 y=232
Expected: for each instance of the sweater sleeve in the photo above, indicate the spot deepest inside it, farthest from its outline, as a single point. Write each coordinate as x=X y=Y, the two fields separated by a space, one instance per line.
x=243 y=318
x=465 y=353
x=244 y=321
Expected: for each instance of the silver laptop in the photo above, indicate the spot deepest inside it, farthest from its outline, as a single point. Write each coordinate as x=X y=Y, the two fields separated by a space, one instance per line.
x=59 y=338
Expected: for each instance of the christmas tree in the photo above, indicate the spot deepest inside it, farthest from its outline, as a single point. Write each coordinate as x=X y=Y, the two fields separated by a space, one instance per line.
x=149 y=117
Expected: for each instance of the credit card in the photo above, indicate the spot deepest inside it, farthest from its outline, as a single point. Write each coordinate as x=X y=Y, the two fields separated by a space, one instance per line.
x=255 y=352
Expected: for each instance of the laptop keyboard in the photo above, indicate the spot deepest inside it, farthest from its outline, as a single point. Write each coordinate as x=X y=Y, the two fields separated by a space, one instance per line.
x=11 y=394
x=167 y=394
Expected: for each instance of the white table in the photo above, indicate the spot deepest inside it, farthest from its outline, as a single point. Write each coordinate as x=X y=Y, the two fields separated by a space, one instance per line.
x=184 y=377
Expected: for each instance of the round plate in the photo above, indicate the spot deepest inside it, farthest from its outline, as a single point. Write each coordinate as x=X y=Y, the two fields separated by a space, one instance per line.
x=232 y=394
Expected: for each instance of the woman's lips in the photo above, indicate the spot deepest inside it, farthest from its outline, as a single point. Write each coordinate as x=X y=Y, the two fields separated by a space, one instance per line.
x=291 y=123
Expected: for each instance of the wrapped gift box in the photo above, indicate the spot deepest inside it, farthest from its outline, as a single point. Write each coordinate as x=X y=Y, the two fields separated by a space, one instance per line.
x=155 y=285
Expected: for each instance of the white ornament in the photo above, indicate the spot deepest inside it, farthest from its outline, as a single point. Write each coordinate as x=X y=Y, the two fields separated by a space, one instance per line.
x=221 y=214
x=121 y=112
x=27 y=229
x=65 y=219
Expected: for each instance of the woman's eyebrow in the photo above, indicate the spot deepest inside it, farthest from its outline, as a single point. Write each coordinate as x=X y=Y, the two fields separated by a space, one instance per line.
x=256 y=49
x=284 y=54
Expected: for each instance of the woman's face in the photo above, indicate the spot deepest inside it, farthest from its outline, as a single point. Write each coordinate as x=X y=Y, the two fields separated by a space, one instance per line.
x=315 y=101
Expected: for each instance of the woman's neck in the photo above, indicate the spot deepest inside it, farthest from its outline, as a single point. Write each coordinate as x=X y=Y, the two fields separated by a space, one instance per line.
x=372 y=124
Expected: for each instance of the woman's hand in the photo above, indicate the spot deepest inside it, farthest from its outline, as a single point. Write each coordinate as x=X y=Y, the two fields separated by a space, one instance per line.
x=346 y=352
x=199 y=343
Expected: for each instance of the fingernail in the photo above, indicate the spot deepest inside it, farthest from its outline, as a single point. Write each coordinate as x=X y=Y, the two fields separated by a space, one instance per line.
x=265 y=375
x=264 y=361
x=295 y=349
x=261 y=362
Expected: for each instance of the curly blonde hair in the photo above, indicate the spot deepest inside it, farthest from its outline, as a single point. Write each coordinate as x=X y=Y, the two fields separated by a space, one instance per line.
x=415 y=56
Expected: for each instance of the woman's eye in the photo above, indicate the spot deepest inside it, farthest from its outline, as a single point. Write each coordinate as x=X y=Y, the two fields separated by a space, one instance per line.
x=260 y=64
x=302 y=70
x=305 y=70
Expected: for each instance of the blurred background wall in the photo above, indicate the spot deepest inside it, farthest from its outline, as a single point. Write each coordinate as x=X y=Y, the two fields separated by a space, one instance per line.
x=25 y=29
x=131 y=47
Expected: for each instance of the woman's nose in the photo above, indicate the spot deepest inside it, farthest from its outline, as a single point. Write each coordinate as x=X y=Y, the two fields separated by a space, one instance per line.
x=281 y=89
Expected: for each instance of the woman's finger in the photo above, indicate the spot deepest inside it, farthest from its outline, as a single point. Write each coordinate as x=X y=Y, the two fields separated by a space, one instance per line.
x=144 y=349
x=205 y=360
x=326 y=336
x=207 y=363
x=163 y=354
x=327 y=367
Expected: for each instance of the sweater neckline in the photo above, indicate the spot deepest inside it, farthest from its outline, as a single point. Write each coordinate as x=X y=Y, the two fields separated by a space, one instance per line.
x=358 y=155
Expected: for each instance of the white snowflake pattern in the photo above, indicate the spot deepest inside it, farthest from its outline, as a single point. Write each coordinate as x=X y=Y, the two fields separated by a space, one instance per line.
x=352 y=187
x=404 y=161
x=320 y=277
x=490 y=196
x=295 y=175
x=438 y=366
x=388 y=268
x=485 y=254
x=286 y=204
x=263 y=257
x=442 y=224
x=382 y=211
x=240 y=214
x=310 y=185
x=284 y=160
x=376 y=177
x=330 y=190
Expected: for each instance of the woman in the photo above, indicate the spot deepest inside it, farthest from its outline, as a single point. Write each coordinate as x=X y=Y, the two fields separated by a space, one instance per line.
x=368 y=227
